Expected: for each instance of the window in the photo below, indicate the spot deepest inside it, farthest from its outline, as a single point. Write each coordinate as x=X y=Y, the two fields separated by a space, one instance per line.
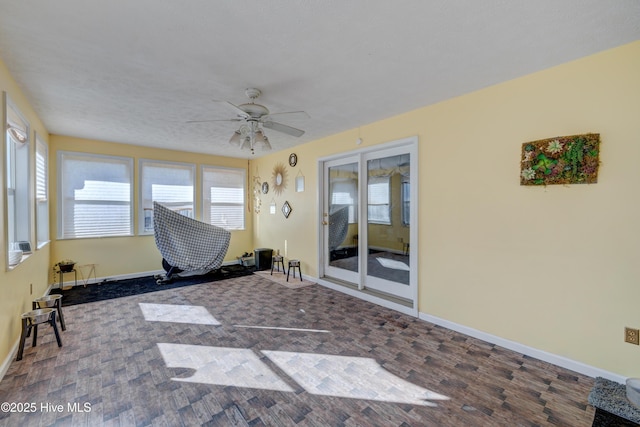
x=344 y=192
x=406 y=201
x=18 y=180
x=95 y=195
x=378 y=196
x=42 y=192
x=223 y=196
x=171 y=184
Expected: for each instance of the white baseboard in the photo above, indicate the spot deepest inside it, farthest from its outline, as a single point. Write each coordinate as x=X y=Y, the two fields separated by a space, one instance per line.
x=7 y=361
x=93 y=280
x=367 y=297
x=561 y=361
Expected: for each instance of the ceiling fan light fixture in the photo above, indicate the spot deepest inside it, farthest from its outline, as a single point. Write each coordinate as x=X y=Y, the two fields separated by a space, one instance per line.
x=255 y=117
x=260 y=136
x=235 y=139
x=246 y=143
x=266 y=145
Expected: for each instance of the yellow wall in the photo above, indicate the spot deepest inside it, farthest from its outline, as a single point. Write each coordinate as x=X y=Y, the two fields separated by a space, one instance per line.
x=554 y=268
x=129 y=255
x=28 y=280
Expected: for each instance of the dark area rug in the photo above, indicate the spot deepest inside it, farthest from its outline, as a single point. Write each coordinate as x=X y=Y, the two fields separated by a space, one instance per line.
x=142 y=285
x=613 y=409
x=605 y=419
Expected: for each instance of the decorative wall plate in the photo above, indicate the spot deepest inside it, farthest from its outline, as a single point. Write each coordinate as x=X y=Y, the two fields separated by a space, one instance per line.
x=265 y=187
x=293 y=159
x=286 y=209
x=279 y=178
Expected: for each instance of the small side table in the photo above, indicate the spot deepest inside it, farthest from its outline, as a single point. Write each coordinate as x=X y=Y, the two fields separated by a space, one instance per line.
x=62 y=273
x=278 y=260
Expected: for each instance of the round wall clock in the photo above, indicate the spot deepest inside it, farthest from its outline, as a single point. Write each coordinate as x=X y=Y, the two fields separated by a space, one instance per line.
x=293 y=159
x=265 y=187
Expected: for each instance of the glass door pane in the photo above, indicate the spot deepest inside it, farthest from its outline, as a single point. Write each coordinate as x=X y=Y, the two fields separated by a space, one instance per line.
x=340 y=220
x=388 y=224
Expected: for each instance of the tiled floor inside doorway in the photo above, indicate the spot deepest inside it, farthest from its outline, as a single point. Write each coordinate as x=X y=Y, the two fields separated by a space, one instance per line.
x=250 y=352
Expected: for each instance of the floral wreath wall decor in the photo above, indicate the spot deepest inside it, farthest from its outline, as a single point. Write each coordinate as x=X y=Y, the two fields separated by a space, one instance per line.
x=562 y=160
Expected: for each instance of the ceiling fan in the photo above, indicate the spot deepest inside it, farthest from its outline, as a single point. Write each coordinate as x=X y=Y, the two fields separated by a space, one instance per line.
x=255 y=117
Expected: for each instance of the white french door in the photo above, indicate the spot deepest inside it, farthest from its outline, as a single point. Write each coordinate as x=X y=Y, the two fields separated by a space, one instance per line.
x=340 y=219
x=369 y=211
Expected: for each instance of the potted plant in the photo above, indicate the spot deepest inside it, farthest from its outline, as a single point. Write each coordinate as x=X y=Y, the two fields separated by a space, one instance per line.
x=65 y=265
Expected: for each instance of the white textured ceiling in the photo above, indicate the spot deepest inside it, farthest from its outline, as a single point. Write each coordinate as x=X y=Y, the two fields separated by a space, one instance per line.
x=134 y=71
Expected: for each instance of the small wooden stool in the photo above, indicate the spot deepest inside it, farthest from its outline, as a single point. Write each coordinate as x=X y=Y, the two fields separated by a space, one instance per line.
x=51 y=301
x=277 y=260
x=294 y=263
x=31 y=320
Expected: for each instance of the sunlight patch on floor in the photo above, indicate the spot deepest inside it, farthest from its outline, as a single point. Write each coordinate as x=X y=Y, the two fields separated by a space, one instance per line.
x=237 y=367
x=318 y=374
x=352 y=377
x=177 y=314
x=392 y=263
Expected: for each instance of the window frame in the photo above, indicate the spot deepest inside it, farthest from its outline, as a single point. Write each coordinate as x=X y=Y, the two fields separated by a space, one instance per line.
x=352 y=185
x=387 y=204
x=206 y=199
x=74 y=155
x=18 y=188
x=145 y=214
x=43 y=236
x=405 y=199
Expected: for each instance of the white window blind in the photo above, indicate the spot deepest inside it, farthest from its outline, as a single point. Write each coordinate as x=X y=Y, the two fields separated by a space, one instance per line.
x=18 y=180
x=41 y=170
x=378 y=196
x=344 y=193
x=42 y=193
x=169 y=183
x=406 y=202
x=223 y=197
x=95 y=197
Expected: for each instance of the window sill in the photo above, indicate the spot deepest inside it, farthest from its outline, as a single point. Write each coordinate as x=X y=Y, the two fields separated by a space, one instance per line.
x=23 y=259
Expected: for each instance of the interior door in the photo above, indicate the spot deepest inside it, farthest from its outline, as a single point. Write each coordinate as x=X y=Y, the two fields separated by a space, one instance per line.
x=340 y=219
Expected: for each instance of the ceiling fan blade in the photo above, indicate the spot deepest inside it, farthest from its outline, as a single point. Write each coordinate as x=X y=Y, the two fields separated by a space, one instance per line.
x=282 y=128
x=214 y=120
x=239 y=111
x=290 y=115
